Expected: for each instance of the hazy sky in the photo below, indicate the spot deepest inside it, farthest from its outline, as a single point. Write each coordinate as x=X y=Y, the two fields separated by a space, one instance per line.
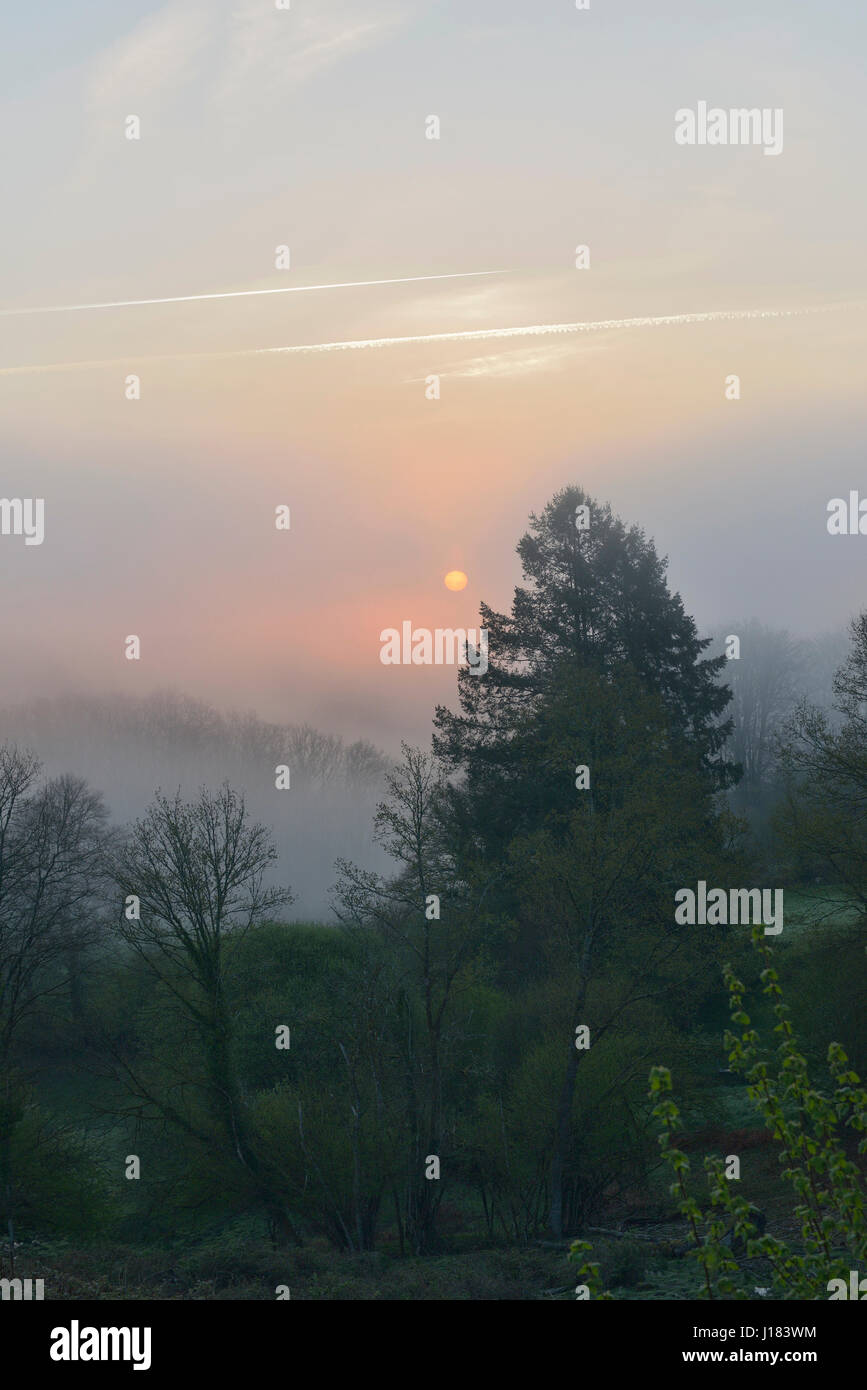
x=306 y=127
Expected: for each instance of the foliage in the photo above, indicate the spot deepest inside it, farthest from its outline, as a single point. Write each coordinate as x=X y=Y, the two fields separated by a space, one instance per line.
x=809 y=1125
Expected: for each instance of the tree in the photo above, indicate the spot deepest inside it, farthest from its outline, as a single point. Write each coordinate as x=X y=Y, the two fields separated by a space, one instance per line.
x=810 y=1125
x=192 y=879
x=822 y=815
x=51 y=846
x=764 y=684
x=823 y=657
x=820 y=1129
x=597 y=878
x=331 y=1112
x=597 y=596
x=433 y=915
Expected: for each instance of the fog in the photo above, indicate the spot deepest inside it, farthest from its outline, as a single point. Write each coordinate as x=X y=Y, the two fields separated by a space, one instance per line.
x=128 y=747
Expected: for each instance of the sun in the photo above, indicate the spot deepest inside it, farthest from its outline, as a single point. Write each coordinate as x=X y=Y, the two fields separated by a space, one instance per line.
x=455 y=580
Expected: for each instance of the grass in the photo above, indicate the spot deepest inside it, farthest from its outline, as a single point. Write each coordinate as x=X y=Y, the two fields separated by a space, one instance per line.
x=230 y=1268
x=819 y=907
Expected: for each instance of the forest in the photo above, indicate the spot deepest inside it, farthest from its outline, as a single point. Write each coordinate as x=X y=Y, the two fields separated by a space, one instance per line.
x=489 y=1061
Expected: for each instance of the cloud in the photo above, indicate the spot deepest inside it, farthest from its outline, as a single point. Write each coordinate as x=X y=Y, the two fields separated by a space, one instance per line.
x=518 y=361
x=270 y=50
x=470 y=304
x=156 y=57
x=232 y=57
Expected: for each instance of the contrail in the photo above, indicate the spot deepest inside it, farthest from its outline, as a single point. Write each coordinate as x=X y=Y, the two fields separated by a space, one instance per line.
x=468 y=335
x=543 y=329
x=244 y=294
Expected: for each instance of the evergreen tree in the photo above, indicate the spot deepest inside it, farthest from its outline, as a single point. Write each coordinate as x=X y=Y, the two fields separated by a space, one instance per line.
x=596 y=595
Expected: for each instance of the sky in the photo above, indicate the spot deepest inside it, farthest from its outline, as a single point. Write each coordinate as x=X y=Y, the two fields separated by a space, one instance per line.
x=308 y=127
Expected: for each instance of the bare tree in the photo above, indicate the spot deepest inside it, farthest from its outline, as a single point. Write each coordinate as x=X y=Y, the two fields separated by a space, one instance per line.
x=364 y=764
x=192 y=875
x=764 y=681
x=51 y=847
x=316 y=757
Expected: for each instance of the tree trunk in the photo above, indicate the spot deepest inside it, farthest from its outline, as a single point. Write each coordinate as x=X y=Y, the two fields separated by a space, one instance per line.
x=230 y=1112
x=563 y=1118
x=561 y=1142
